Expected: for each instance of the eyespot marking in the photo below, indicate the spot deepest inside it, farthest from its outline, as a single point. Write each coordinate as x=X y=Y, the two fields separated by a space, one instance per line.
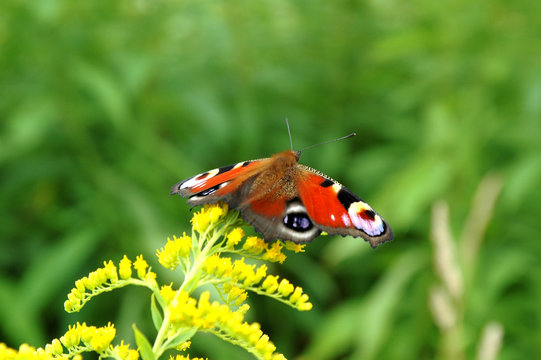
x=298 y=222
x=366 y=219
x=368 y=214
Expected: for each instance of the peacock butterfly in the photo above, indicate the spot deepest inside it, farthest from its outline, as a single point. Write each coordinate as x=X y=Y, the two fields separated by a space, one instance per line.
x=285 y=200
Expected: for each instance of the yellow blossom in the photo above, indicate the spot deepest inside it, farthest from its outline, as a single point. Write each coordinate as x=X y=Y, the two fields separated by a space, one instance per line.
x=254 y=245
x=187 y=357
x=174 y=251
x=296 y=295
x=285 y=288
x=167 y=293
x=124 y=268
x=270 y=284
x=124 y=352
x=274 y=253
x=242 y=271
x=6 y=352
x=54 y=348
x=102 y=337
x=234 y=237
x=235 y=294
x=72 y=337
x=140 y=265
x=291 y=246
x=201 y=221
x=110 y=271
x=215 y=213
x=260 y=273
x=243 y=309
x=300 y=300
x=183 y=346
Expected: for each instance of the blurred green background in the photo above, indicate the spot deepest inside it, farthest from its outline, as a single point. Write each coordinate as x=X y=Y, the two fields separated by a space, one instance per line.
x=106 y=104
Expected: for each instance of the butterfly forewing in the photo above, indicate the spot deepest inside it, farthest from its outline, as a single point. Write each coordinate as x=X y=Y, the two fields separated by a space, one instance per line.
x=337 y=210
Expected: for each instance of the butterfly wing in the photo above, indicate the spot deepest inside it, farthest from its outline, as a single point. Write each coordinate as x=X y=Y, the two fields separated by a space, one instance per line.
x=284 y=200
x=226 y=183
x=336 y=210
x=265 y=197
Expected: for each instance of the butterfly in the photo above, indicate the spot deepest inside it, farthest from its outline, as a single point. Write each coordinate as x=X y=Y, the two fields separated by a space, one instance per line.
x=285 y=200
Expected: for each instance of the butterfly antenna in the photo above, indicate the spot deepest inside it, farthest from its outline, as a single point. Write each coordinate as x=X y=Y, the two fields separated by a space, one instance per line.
x=329 y=141
x=289 y=132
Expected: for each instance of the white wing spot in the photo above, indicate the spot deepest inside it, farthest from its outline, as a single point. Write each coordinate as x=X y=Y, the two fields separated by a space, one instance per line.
x=371 y=227
x=346 y=220
x=196 y=180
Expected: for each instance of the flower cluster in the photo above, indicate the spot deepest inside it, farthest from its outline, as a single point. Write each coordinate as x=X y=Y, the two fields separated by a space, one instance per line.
x=221 y=320
x=238 y=276
x=175 y=251
x=78 y=339
x=216 y=253
x=108 y=278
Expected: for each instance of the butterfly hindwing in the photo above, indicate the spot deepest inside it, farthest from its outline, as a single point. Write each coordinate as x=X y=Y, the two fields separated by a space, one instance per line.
x=336 y=210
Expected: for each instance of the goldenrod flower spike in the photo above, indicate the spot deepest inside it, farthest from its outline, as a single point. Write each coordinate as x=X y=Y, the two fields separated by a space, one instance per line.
x=203 y=259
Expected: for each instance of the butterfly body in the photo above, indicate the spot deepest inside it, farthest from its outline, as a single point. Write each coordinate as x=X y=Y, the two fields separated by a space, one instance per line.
x=285 y=200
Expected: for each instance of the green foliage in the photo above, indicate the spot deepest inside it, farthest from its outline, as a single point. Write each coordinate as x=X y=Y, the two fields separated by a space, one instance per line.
x=105 y=105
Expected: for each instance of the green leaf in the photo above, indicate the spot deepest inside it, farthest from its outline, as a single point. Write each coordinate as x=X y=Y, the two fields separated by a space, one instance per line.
x=179 y=339
x=144 y=346
x=157 y=317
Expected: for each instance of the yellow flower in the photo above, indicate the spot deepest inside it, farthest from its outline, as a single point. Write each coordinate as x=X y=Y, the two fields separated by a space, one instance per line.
x=224 y=267
x=291 y=246
x=235 y=294
x=110 y=271
x=54 y=348
x=183 y=346
x=254 y=245
x=124 y=352
x=187 y=357
x=102 y=338
x=124 y=268
x=274 y=253
x=242 y=271
x=6 y=352
x=260 y=273
x=133 y=355
x=167 y=293
x=150 y=277
x=200 y=221
x=72 y=337
x=285 y=288
x=296 y=295
x=174 y=251
x=141 y=266
x=300 y=300
x=234 y=237
x=215 y=213
x=211 y=264
x=270 y=284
